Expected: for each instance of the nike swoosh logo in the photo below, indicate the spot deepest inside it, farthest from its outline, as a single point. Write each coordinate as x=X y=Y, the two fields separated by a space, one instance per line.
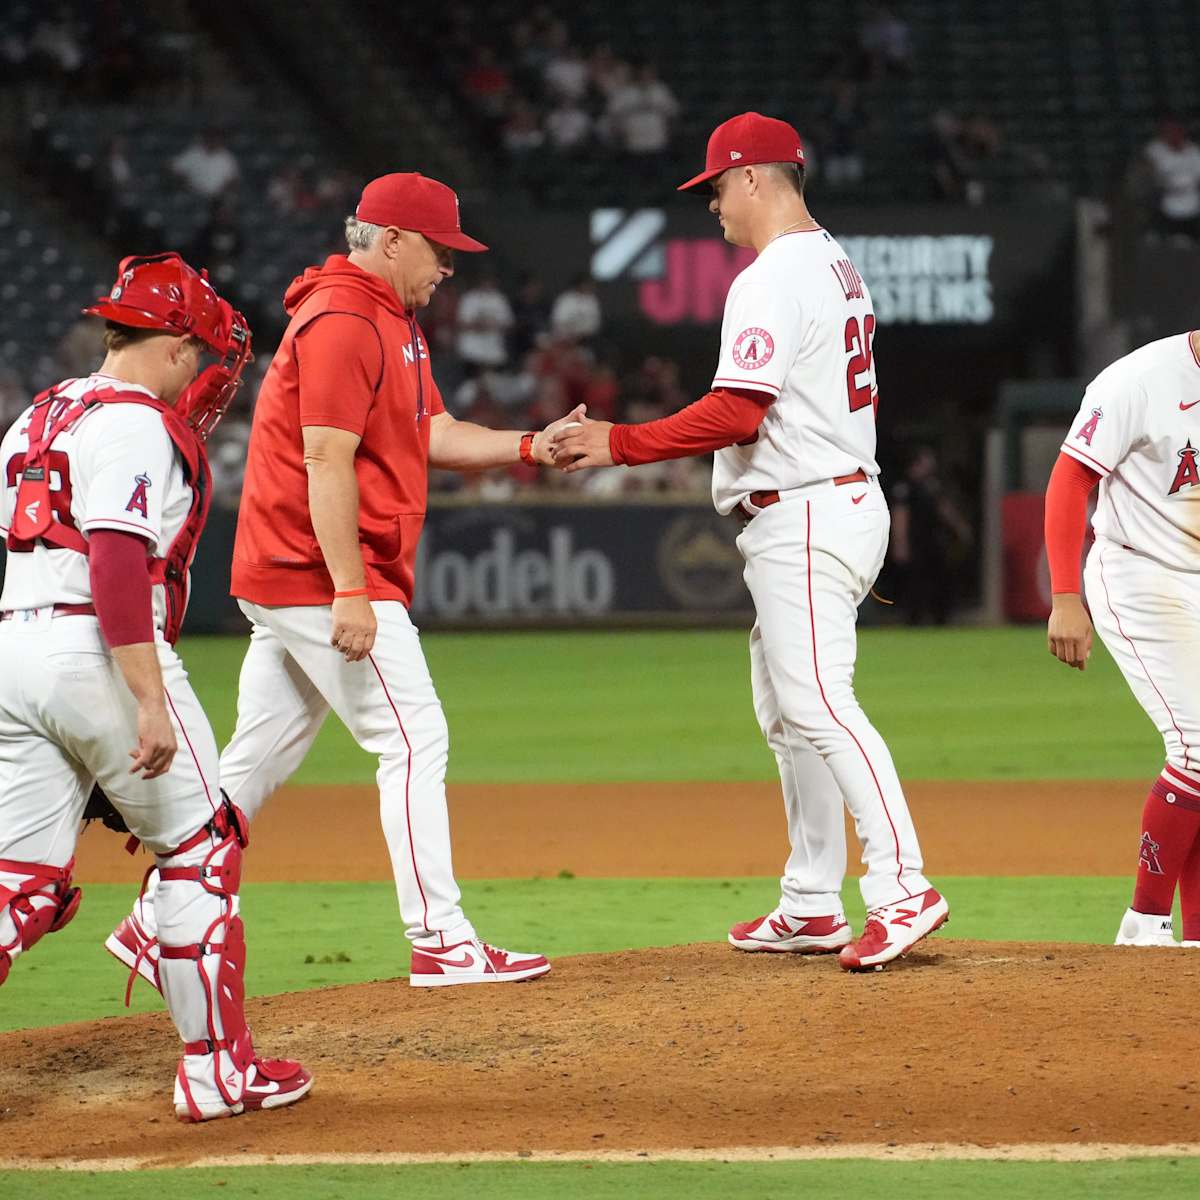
x=465 y=961
x=267 y=1085
x=858 y=499
x=1184 y=407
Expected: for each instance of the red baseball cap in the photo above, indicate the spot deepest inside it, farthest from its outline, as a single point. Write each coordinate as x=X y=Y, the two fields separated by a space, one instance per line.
x=409 y=200
x=745 y=140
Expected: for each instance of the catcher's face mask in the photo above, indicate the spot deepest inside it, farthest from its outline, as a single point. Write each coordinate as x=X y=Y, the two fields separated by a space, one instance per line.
x=161 y=291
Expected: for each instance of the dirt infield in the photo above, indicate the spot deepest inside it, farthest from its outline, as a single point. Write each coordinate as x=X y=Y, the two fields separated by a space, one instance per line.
x=646 y=829
x=963 y=1043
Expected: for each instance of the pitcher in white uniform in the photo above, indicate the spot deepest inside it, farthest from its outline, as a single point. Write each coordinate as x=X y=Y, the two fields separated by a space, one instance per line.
x=792 y=420
x=1137 y=435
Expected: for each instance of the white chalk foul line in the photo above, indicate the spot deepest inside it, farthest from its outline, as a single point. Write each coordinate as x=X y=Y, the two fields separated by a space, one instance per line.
x=1063 y=1152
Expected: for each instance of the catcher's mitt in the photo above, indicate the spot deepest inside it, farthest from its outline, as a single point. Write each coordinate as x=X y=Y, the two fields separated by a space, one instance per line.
x=99 y=808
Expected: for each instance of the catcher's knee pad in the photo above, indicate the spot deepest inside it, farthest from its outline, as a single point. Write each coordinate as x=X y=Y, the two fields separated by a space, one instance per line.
x=40 y=901
x=206 y=1000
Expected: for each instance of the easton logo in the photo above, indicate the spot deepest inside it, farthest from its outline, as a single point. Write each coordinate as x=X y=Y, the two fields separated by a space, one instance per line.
x=1088 y=428
x=137 y=502
x=1149 y=855
x=1186 y=474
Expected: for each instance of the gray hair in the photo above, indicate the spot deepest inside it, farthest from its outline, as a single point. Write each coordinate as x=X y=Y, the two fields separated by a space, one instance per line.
x=361 y=235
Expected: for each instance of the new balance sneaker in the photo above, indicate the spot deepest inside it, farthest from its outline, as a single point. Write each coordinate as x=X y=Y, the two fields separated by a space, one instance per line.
x=1145 y=929
x=894 y=929
x=270 y=1083
x=781 y=933
x=472 y=961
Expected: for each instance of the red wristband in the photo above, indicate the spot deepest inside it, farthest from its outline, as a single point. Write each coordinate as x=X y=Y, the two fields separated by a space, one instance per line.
x=527 y=449
x=362 y=591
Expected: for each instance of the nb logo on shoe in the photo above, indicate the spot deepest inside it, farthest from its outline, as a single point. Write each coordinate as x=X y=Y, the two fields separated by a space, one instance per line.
x=904 y=917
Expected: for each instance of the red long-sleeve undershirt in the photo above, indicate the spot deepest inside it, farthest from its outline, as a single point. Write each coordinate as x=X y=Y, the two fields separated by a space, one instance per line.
x=1071 y=482
x=121 y=591
x=722 y=418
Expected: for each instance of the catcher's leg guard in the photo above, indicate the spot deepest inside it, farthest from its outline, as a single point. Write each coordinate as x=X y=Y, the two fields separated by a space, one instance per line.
x=34 y=900
x=202 y=959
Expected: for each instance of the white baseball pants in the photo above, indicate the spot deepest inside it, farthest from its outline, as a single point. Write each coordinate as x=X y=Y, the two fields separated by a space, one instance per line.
x=68 y=719
x=291 y=678
x=1148 y=616
x=810 y=561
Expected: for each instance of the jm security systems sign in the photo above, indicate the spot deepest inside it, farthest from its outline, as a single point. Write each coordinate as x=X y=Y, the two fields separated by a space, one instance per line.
x=967 y=277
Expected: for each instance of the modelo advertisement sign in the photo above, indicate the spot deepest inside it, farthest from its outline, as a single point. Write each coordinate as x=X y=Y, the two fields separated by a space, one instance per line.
x=594 y=564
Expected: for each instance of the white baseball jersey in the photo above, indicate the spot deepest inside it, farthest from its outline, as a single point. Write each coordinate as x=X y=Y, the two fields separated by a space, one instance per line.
x=799 y=326
x=1136 y=428
x=115 y=468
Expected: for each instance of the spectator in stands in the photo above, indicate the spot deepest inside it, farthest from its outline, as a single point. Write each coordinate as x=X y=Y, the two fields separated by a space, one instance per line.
x=930 y=540
x=57 y=45
x=566 y=74
x=569 y=127
x=81 y=349
x=487 y=84
x=1172 y=163
x=14 y=398
x=484 y=321
x=885 y=44
x=531 y=314
x=964 y=153
x=839 y=131
x=115 y=183
x=640 y=113
x=522 y=131
x=207 y=166
x=288 y=191
x=576 y=315
x=218 y=243
x=607 y=72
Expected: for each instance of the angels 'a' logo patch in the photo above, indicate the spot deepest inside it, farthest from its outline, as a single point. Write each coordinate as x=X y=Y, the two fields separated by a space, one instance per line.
x=137 y=502
x=753 y=348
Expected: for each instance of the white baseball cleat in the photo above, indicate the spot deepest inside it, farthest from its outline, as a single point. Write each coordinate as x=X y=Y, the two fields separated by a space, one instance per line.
x=1145 y=929
x=781 y=933
x=892 y=930
x=472 y=961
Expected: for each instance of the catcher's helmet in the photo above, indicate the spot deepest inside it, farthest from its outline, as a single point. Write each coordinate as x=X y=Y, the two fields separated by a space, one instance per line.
x=160 y=291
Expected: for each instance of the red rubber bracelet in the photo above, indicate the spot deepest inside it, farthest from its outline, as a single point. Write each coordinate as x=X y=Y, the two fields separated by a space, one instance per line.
x=527 y=449
x=362 y=591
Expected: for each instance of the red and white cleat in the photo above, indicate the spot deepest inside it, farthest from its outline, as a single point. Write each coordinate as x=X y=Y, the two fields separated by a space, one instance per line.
x=130 y=944
x=472 y=961
x=781 y=933
x=270 y=1083
x=894 y=929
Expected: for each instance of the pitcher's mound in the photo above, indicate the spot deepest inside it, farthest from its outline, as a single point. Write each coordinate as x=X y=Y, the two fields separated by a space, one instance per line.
x=688 y=1047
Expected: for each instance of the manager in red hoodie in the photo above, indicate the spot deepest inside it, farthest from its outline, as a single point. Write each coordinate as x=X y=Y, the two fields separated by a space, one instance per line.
x=347 y=423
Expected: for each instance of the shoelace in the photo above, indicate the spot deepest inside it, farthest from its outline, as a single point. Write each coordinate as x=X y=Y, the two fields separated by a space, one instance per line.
x=491 y=950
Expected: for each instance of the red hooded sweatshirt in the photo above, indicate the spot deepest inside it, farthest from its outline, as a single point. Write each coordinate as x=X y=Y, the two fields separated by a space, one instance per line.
x=352 y=357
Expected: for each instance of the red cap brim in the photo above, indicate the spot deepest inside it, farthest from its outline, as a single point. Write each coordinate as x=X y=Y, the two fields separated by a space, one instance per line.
x=455 y=239
x=696 y=181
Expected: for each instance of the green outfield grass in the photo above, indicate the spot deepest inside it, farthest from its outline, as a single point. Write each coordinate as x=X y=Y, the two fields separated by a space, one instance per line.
x=1162 y=1179
x=953 y=704
x=351 y=932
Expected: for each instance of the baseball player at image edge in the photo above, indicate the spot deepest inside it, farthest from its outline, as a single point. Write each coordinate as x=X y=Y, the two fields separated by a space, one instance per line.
x=1137 y=437
x=105 y=492
x=791 y=418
